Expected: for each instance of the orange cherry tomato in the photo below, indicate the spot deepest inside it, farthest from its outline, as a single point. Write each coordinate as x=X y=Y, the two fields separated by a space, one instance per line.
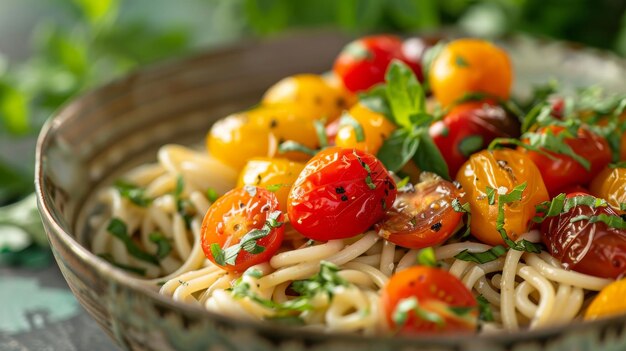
x=610 y=185
x=376 y=128
x=610 y=301
x=234 y=215
x=435 y=291
x=422 y=216
x=470 y=66
x=502 y=170
x=275 y=174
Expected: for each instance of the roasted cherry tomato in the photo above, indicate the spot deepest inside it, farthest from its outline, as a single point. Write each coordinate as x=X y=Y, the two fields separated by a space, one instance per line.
x=376 y=128
x=235 y=214
x=502 y=170
x=363 y=62
x=583 y=246
x=339 y=194
x=610 y=185
x=274 y=174
x=233 y=140
x=469 y=128
x=610 y=301
x=312 y=92
x=286 y=122
x=436 y=292
x=422 y=216
x=562 y=171
x=470 y=66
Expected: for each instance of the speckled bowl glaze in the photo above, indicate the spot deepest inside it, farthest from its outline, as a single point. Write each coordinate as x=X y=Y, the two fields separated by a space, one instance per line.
x=103 y=133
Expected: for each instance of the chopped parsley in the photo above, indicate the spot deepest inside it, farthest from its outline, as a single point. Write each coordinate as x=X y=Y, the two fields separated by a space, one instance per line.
x=133 y=193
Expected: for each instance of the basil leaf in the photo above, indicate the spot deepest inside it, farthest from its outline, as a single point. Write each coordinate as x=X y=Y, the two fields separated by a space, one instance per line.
x=375 y=99
x=324 y=282
x=491 y=195
x=484 y=309
x=133 y=193
x=291 y=145
x=463 y=208
x=426 y=257
x=218 y=254
x=428 y=157
x=347 y=120
x=164 y=247
x=397 y=149
x=404 y=93
x=320 y=130
x=212 y=195
x=611 y=221
x=482 y=257
x=118 y=229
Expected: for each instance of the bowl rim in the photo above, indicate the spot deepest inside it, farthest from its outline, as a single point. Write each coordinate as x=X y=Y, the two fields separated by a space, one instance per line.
x=102 y=268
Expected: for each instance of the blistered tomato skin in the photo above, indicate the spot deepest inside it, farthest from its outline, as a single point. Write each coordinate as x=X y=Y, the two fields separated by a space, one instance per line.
x=590 y=248
x=235 y=214
x=470 y=127
x=333 y=198
x=610 y=185
x=470 y=66
x=562 y=171
x=422 y=216
x=502 y=170
x=436 y=291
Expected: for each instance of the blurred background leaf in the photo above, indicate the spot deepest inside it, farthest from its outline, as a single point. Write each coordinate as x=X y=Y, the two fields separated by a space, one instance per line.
x=51 y=51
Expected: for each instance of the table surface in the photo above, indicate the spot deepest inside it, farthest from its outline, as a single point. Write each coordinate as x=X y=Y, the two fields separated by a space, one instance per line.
x=39 y=312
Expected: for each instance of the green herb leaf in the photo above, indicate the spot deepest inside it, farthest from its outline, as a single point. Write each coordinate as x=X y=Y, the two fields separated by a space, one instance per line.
x=347 y=120
x=611 y=221
x=133 y=193
x=164 y=246
x=428 y=157
x=368 y=177
x=460 y=61
x=118 y=229
x=426 y=257
x=403 y=182
x=397 y=149
x=491 y=195
x=291 y=145
x=320 y=130
x=275 y=187
x=180 y=186
x=470 y=145
x=463 y=208
x=253 y=272
x=482 y=257
x=324 y=282
x=212 y=195
x=410 y=304
x=404 y=93
x=484 y=308
x=218 y=254
x=375 y=99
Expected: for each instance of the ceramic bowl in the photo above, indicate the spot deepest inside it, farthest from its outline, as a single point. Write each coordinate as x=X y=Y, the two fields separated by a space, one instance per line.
x=96 y=137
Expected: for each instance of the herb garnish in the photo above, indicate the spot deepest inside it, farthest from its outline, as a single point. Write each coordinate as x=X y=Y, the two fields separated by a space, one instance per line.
x=164 y=246
x=504 y=199
x=426 y=257
x=410 y=304
x=133 y=193
x=484 y=308
x=482 y=257
x=118 y=229
x=247 y=243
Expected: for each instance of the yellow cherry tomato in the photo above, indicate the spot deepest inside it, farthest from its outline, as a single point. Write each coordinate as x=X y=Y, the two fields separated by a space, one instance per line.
x=470 y=66
x=274 y=174
x=320 y=99
x=501 y=170
x=234 y=140
x=610 y=301
x=610 y=185
x=336 y=83
x=286 y=122
x=376 y=128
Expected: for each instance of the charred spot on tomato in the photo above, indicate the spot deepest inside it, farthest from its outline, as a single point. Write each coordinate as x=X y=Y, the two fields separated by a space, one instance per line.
x=340 y=190
x=341 y=102
x=344 y=198
x=258 y=179
x=273 y=123
x=436 y=227
x=242 y=205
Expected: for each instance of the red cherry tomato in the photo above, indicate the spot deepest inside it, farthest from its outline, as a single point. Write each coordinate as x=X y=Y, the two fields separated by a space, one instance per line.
x=235 y=214
x=423 y=216
x=363 y=62
x=339 y=194
x=582 y=246
x=469 y=128
x=563 y=171
x=437 y=292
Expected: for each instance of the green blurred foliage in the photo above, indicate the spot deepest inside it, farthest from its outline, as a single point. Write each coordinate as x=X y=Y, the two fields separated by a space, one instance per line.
x=98 y=46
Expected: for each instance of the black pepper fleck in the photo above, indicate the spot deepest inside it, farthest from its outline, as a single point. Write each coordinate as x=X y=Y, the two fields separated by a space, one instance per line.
x=340 y=190
x=436 y=227
x=344 y=198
